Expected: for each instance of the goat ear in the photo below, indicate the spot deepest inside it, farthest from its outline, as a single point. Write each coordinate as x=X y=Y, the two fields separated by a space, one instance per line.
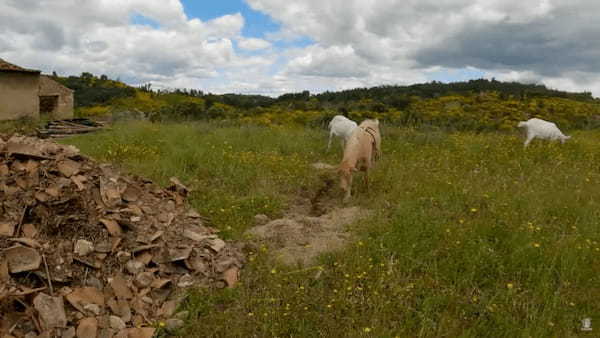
x=354 y=169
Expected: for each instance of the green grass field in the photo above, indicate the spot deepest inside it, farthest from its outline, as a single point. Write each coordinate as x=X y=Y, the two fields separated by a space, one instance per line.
x=470 y=235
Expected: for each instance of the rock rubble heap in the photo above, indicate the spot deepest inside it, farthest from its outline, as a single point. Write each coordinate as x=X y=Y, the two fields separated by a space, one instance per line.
x=87 y=251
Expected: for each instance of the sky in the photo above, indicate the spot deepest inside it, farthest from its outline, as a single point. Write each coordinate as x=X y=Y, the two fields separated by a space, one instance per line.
x=272 y=47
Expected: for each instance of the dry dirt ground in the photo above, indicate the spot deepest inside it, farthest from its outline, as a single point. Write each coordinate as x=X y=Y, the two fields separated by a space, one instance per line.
x=315 y=223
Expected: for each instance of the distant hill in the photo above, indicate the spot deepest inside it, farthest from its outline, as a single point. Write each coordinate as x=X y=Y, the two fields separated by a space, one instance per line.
x=469 y=105
x=91 y=90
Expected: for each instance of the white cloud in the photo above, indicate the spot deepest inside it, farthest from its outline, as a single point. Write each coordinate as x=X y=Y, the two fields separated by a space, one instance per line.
x=551 y=39
x=355 y=43
x=253 y=43
x=334 y=61
x=99 y=36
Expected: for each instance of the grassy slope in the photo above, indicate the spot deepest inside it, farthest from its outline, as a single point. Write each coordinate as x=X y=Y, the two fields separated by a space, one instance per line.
x=470 y=234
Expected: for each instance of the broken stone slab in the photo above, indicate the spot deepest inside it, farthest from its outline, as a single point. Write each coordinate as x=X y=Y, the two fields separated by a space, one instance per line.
x=21 y=258
x=83 y=247
x=166 y=218
x=197 y=264
x=168 y=309
x=112 y=226
x=194 y=234
x=178 y=187
x=68 y=167
x=93 y=309
x=51 y=311
x=132 y=193
x=32 y=166
x=16 y=146
x=144 y=279
x=115 y=243
x=109 y=192
x=192 y=214
x=106 y=333
x=7 y=229
x=120 y=288
x=159 y=296
x=144 y=248
x=103 y=321
x=185 y=281
x=121 y=334
x=4 y=275
x=68 y=333
x=144 y=257
x=79 y=181
x=148 y=239
x=85 y=295
x=53 y=191
x=123 y=310
x=29 y=230
x=94 y=282
x=224 y=264
x=103 y=247
x=4 y=170
x=117 y=323
x=134 y=266
x=141 y=332
x=123 y=256
x=30 y=242
x=87 y=328
x=160 y=283
x=216 y=244
x=231 y=276
x=179 y=254
x=87 y=262
x=23 y=183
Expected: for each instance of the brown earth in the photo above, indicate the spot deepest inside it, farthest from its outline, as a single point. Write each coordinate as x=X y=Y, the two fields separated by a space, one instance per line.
x=314 y=224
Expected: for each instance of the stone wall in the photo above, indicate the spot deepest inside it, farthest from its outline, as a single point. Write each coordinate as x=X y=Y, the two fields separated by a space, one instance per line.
x=19 y=95
x=64 y=108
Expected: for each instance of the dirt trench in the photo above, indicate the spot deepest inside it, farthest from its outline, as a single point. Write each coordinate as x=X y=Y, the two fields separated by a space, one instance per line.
x=314 y=224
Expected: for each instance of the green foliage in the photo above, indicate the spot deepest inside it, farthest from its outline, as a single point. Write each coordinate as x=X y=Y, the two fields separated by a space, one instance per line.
x=23 y=125
x=92 y=111
x=91 y=90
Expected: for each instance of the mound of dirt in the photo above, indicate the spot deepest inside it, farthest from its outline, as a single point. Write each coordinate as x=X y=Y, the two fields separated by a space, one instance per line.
x=313 y=225
x=86 y=250
x=301 y=238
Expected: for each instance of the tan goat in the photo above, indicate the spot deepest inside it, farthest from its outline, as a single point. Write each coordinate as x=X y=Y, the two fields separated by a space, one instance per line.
x=362 y=148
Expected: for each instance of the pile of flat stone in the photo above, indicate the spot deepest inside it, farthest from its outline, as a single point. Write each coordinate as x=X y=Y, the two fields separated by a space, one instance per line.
x=69 y=127
x=89 y=252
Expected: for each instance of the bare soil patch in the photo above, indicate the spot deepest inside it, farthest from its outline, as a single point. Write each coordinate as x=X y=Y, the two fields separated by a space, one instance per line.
x=316 y=223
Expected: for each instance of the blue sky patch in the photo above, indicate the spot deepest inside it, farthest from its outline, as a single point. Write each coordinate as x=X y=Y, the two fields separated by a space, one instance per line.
x=256 y=23
x=139 y=19
x=453 y=75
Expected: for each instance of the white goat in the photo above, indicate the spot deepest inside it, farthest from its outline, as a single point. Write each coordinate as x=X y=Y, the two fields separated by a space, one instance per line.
x=362 y=148
x=341 y=127
x=541 y=129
